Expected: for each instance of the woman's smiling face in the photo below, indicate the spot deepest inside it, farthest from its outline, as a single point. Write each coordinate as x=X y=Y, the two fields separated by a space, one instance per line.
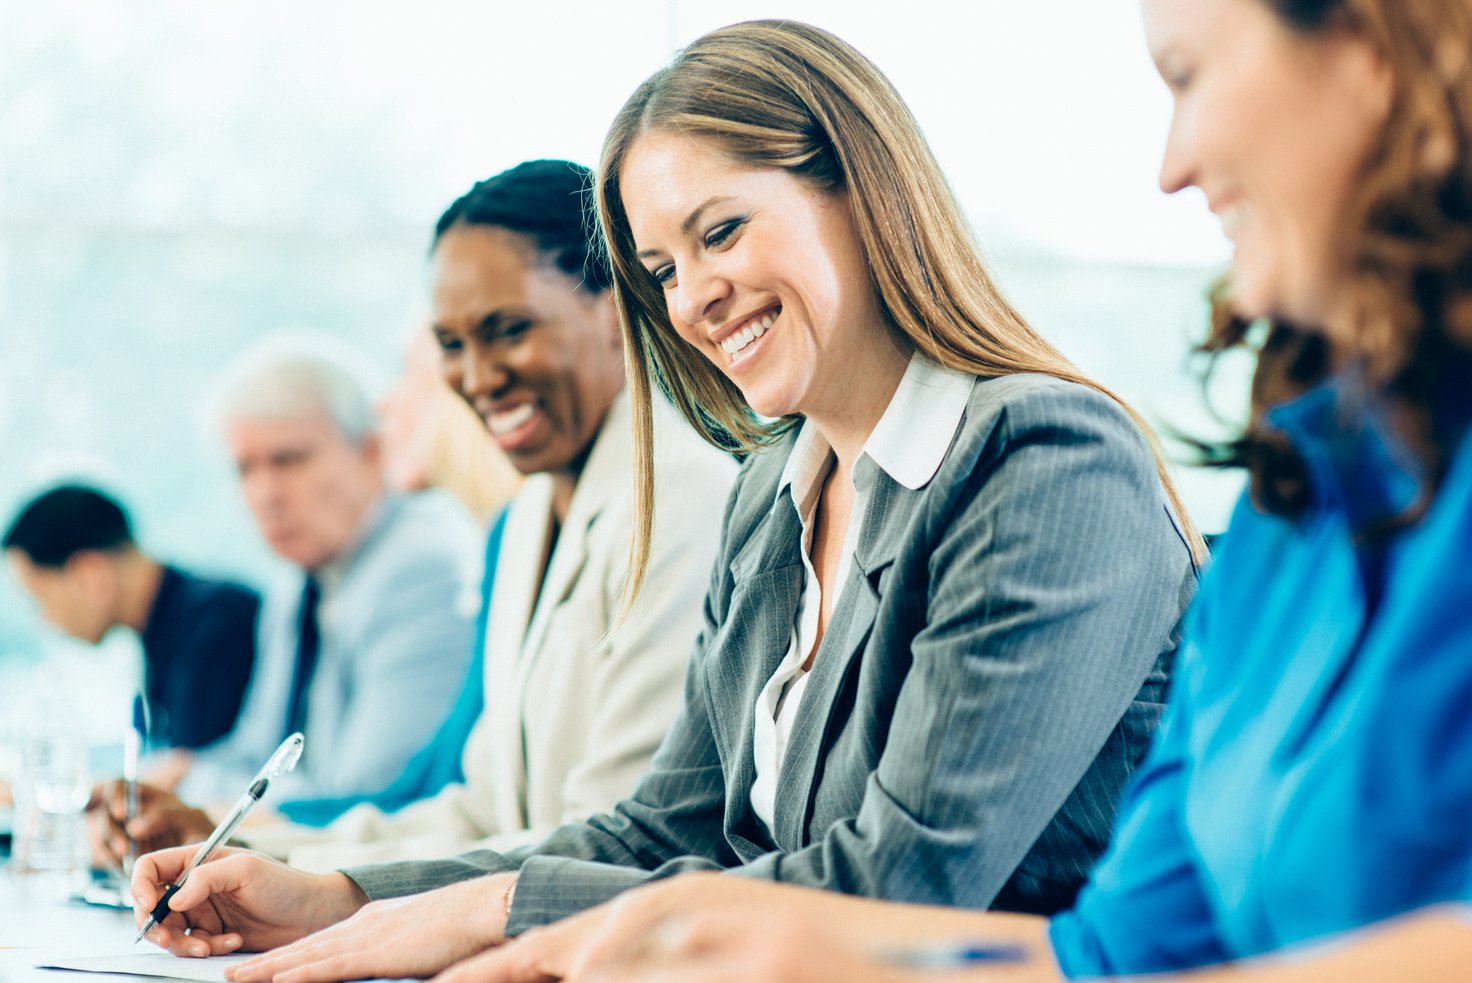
x=761 y=273
x=538 y=357
x=1274 y=126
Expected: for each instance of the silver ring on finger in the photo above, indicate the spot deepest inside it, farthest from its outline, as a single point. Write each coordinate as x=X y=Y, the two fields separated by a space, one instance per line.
x=189 y=930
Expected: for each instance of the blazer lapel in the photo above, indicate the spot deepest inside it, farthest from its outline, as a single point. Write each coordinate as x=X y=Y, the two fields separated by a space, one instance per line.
x=512 y=598
x=886 y=517
x=515 y=592
x=563 y=569
x=767 y=581
x=604 y=478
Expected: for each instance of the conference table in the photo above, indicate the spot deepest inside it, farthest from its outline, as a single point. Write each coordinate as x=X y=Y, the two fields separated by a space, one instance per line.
x=39 y=925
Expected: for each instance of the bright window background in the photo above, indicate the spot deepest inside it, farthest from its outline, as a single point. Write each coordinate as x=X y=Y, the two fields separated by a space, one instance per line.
x=177 y=178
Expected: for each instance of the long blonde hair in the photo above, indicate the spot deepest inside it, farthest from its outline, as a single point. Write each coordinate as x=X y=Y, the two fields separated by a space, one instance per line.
x=788 y=95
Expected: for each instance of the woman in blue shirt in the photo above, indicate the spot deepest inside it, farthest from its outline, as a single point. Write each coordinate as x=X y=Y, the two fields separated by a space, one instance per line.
x=1314 y=774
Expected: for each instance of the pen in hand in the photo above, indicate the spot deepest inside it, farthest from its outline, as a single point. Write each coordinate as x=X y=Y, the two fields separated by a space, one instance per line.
x=134 y=742
x=283 y=760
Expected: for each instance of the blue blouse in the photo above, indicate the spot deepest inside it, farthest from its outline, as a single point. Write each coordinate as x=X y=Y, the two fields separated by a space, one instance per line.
x=1314 y=772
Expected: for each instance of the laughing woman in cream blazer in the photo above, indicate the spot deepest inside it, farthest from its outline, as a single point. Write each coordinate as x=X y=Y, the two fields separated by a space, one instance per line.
x=577 y=697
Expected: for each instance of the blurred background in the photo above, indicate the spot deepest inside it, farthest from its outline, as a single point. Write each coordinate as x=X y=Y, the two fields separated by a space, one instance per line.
x=177 y=179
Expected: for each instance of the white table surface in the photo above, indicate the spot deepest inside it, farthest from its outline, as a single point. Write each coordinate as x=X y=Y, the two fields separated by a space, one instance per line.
x=36 y=926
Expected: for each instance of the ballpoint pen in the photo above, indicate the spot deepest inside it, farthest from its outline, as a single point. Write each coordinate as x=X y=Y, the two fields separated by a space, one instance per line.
x=283 y=760
x=954 y=955
x=134 y=742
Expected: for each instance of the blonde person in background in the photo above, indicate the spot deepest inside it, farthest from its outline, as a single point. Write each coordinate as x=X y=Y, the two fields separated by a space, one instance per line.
x=938 y=633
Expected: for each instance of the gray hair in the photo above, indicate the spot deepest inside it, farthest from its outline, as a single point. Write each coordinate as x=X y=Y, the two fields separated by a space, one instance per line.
x=293 y=378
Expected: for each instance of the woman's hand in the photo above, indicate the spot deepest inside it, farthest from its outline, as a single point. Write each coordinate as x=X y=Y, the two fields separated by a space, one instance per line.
x=418 y=935
x=695 y=928
x=163 y=821
x=238 y=901
x=564 y=949
x=700 y=927
x=770 y=945
x=651 y=929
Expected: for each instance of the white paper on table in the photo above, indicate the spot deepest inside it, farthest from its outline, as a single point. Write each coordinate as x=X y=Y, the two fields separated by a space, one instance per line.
x=210 y=969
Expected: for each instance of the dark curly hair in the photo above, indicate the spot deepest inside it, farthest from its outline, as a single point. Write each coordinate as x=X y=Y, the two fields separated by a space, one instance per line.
x=1408 y=236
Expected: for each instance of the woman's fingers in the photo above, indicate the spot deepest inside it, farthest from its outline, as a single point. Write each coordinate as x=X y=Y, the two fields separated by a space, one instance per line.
x=154 y=872
x=223 y=875
x=194 y=942
x=402 y=937
x=516 y=962
x=267 y=965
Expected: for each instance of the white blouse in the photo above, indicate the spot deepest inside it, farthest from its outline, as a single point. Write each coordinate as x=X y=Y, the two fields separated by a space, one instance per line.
x=908 y=443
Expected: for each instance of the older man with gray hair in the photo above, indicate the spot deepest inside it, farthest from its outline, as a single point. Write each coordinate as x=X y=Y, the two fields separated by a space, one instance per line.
x=367 y=650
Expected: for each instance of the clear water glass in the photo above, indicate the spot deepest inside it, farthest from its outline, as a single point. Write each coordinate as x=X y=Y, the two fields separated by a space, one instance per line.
x=51 y=801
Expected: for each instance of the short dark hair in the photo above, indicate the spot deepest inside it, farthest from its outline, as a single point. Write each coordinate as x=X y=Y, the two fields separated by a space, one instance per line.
x=1308 y=15
x=59 y=523
x=545 y=201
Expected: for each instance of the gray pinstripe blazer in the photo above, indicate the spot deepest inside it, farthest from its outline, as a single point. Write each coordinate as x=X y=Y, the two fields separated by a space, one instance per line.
x=989 y=679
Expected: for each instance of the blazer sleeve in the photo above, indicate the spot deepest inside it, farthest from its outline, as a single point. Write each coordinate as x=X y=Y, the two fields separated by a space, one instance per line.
x=1057 y=579
x=671 y=822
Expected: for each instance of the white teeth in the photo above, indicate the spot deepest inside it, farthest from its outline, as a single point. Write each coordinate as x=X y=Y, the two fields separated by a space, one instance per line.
x=740 y=339
x=505 y=421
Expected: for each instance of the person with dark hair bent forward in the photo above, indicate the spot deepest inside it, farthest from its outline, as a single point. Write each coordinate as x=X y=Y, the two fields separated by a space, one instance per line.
x=72 y=549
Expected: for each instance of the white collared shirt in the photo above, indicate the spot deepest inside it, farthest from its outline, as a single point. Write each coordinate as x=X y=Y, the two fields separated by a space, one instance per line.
x=908 y=443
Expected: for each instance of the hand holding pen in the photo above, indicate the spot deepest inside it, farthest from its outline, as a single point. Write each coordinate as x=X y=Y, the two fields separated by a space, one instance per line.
x=284 y=759
x=238 y=902
x=160 y=821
